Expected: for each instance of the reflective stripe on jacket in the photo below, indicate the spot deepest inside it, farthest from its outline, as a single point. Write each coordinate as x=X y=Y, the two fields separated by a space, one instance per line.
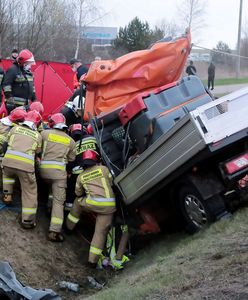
x=94 y=184
x=50 y=164
x=23 y=144
x=18 y=82
x=20 y=156
x=86 y=144
x=17 y=101
x=58 y=148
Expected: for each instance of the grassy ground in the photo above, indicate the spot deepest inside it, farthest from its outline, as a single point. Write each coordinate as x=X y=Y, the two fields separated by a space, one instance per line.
x=209 y=265
x=228 y=81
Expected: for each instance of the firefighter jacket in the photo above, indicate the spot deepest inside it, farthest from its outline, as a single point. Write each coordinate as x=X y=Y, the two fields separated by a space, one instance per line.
x=94 y=185
x=4 y=130
x=23 y=144
x=57 y=149
x=19 y=85
x=86 y=143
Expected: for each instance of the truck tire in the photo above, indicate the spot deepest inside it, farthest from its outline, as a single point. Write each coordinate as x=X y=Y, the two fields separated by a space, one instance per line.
x=199 y=212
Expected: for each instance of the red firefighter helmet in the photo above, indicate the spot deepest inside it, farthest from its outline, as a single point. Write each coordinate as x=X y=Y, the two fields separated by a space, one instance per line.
x=25 y=56
x=17 y=115
x=34 y=117
x=91 y=155
x=75 y=127
x=57 y=121
x=37 y=106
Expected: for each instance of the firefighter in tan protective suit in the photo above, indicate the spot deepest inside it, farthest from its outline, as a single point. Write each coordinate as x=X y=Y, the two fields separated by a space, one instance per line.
x=58 y=149
x=17 y=115
x=94 y=194
x=24 y=142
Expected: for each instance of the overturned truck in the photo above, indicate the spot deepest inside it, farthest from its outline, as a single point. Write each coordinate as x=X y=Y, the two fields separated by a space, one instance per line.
x=175 y=152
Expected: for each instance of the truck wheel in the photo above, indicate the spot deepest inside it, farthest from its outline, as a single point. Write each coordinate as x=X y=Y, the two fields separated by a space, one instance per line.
x=196 y=211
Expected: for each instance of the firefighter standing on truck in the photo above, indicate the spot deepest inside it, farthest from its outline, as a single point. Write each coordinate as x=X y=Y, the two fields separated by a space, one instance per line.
x=24 y=142
x=58 y=148
x=94 y=194
x=18 y=85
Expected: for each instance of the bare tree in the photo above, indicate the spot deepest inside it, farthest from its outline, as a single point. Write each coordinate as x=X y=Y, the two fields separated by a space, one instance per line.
x=191 y=14
x=169 y=28
x=87 y=10
x=47 y=28
x=62 y=32
x=6 y=19
x=51 y=29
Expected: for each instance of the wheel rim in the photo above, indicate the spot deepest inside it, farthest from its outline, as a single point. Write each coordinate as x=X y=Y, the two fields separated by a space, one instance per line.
x=195 y=210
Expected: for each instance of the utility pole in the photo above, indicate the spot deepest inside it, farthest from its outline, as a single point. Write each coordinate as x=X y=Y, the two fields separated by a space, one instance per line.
x=239 y=37
x=79 y=29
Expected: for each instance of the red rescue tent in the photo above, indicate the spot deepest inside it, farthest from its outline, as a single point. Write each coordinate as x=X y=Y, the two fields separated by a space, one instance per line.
x=53 y=83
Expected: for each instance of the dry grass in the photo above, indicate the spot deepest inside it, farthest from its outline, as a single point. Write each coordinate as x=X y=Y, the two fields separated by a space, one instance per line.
x=209 y=265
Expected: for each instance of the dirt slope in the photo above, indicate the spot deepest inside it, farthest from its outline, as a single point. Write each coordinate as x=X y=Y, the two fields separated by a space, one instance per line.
x=38 y=262
x=212 y=264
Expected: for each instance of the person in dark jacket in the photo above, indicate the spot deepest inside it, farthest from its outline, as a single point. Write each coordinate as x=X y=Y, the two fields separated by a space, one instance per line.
x=14 y=54
x=211 y=75
x=78 y=67
x=18 y=85
x=191 y=70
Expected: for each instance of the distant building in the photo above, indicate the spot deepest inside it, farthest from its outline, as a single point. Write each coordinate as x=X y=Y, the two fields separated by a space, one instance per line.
x=100 y=39
x=199 y=55
x=99 y=35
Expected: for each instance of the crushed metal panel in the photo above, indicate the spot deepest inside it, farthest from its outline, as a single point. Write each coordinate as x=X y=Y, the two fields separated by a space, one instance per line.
x=158 y=161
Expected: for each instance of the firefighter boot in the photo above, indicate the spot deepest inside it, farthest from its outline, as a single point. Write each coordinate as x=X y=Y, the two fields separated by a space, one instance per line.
x=27 y=224
x=7 y=199
x=55 y=236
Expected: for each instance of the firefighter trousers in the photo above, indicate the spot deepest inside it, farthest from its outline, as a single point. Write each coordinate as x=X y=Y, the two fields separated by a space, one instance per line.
x=58 y=187
x=28 y=188
x=103 y=223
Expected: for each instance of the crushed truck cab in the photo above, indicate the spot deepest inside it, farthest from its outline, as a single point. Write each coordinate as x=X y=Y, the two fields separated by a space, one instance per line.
x=180 y=143
x=175 y=152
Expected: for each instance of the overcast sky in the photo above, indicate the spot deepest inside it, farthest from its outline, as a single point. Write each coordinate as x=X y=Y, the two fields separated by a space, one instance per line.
x=221 y=17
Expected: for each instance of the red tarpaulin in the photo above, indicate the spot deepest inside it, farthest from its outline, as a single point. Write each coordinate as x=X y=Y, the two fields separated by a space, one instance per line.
x=112 y=83
x=53 y=83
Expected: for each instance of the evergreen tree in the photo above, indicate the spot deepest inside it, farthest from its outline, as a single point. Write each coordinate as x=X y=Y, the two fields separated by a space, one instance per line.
x=221 y=57
x=137 y=35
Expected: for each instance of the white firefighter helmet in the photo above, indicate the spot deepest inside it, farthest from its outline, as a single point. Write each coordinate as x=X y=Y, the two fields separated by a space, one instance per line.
x=77 y=104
